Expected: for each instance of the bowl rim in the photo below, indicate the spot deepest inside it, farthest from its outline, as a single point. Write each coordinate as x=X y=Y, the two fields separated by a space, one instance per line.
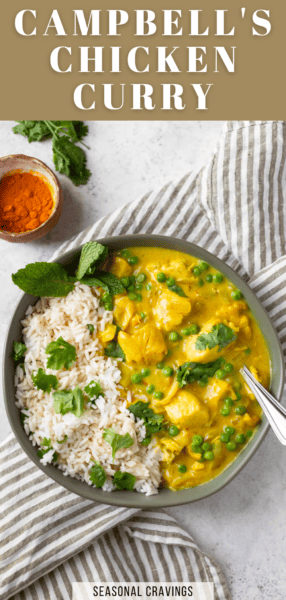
x=165 y=498
x=57 y=190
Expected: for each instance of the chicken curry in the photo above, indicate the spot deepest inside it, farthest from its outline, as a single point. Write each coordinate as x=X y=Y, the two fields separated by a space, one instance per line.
x=182 y=332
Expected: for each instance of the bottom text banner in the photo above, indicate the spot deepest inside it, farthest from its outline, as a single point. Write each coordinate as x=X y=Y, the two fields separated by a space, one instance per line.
x=143 y=591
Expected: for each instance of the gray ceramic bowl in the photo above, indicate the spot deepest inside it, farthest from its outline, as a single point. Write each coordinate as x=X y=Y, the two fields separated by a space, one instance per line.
x=165 y=496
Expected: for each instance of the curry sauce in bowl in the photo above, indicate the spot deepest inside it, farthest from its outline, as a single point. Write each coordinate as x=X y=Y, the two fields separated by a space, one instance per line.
x=185 y=331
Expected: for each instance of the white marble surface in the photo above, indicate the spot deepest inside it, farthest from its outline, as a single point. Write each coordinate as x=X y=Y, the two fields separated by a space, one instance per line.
x=243 y=526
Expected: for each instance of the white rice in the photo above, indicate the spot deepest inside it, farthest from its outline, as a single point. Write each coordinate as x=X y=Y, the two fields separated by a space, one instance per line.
x=68 y=317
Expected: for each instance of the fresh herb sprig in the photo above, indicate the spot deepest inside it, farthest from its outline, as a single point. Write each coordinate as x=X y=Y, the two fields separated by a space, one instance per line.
x=69 y=401
x=220 y=335
x=117 y=441
x=46 y=447
x=44 y=382
x=52 y=280
x=69 y=159
x=193 y=371
x=19 y=350
x=152 y=421
x=61 y=354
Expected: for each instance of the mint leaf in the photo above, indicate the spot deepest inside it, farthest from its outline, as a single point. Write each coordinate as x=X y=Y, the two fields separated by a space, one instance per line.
x=70 y=160
x=97 y=475
x=117 y=441
x=44 y=382
x=19 y=350
x=177 y=290
x=152 y=421
x=220 y=335
x=69 y=401
x=114 y=350
x=193 y=371
x=95 y=282
x=111 y=281
x=124 y=481
x=94 y=390
x=44 y=279
x=62 y=354
x=91 y=254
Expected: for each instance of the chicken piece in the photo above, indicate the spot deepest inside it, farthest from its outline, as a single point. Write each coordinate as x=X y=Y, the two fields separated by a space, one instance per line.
x=146 y=345
x=185 y=409
x=171 y=447
x=108 y=334
x=121 y=268
x=197 y=466
x=215 y=391
x=178 y=269
x=202 y=356
x=170 y=310
x=124 y=309
x=233 y=316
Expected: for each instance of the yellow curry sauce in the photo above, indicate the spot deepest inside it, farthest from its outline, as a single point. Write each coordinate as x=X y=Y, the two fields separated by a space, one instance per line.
x=185 y=331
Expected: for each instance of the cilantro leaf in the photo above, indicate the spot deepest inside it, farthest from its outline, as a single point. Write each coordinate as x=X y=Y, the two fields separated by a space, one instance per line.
x=193 y=371
x=90 y=328
x=220 y=335
x=46 y=447
x=19 y=350
x=177 y=290
x=93 y=390
x=124 y=481
x=35 y=131
x=76 y=130
x=69 y=401
x=62 y=354
x=44 y=279
x=44 y=382
x=153 y=422
x=97 y=475
x=117 y=441
x=92 y=253
x=70 y=160
x=23 y=417
x=62 y=441
x=114 y=350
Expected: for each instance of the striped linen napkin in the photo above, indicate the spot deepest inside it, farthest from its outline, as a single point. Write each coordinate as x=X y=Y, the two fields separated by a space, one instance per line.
x=236 y=208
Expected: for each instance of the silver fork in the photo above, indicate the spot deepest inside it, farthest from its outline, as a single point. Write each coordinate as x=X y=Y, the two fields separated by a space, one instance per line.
x=274 y=412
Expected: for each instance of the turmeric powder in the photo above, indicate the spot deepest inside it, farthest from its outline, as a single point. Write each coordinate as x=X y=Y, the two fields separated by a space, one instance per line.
x=26 y=202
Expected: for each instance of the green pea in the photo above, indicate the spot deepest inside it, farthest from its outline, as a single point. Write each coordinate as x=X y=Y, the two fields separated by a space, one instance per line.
x=168 y=371
x=148 y=287
x=138 y=287
x=170 y=281
x=196 y=271
x=228 y=401
x=173 y=430
x=136 y=378
x=185 y=331
x=145 y=372
x=240 y=438
x=218 y=278
x=146 y=441
x=160 y=365
x=158 y=395
x=197 y=440
x=229 y=430
x=231 y=445
x=203 y=381
x=196 y=449
x=143 y=316
x=220 y=374
x=237 y=385
x=150 y=389
x=247 y=351
x=132 y=279
x=228 y=367
x=131 y=288
x=141 y=278
x=240 y=410
x=174 y=336
x=161 y=277
x=125 y=253
x=249 y=433
x=133 y=260
x=194 y=329
x=201 y=283
x=139 y=298
x=206 y=446
x=224 y=437
x=204 y=266
x=225 y=411
x=125 y=282
x=236 y=295
x=132 y=296
x=182 y=468
x=209 y=455
x=238 y=396
x=209 y=278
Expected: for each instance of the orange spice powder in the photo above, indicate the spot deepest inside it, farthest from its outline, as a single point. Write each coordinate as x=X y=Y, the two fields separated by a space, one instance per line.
x=26 y=202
